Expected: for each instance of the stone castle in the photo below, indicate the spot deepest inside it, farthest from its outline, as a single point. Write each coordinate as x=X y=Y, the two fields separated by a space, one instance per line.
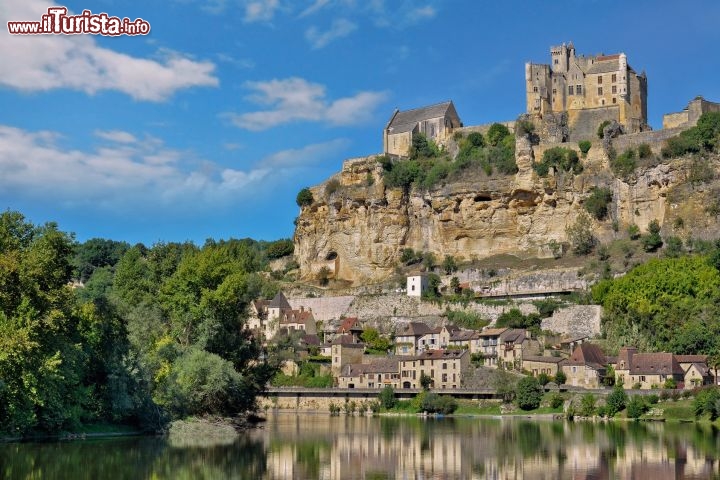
x=591 y=89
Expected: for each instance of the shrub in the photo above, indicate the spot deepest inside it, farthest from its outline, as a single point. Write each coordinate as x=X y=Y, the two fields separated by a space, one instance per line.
x=449 y=264
x=587 y=405
x=334 y=409
x=584 y=146
x=304 y=197
x=332 y=186
x=422 y=147
x=524 y=127
x=673 y=248
x=597 y=203
x=580 y=235
x=601 y=129
x=350 y=407
x=387 y=397
x=616 y=400
x=528 y=393
x=476 y=139
x=543 y=379
x=652 y=399
x=560 y=377
x=556 y=400
x=434 y=403
x=644 y=151
x=652 y=241
x=624 y=165
x=562 y=159
x=636 y=407
x=633 y=231
x=497 y=133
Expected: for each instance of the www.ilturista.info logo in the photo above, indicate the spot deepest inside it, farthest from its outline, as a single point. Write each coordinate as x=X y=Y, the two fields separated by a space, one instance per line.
x=57 y=21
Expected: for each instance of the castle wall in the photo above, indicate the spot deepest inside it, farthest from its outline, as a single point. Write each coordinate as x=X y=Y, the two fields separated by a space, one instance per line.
x=690 y=115
x=675 y=120
x=584 y=123
x=654 y=138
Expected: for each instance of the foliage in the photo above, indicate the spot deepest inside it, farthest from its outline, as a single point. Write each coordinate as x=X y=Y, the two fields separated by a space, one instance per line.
x=304 y=198
x=425 y=381
x=409 y=257
x=323 y=276
x=524 y=127
x=580 y=234
x=528 y=393
x=556 y=400
x=96 y=253
x=332 y=186
x=636 y=407
x=561 y=159
x=587 y=405
x=375 y=342
x=422 y=147
x=652 y=241
x=514 y=318
x=543 y=379
x=624 y=165
x=434 y=403
x=702 y=137
x=707 y=402
x=644 y=151
x=387 y=397
x=666 y=304
x=497 y=133
x=673 y=247
x=601 y=129
x=616 y=401
x=470 y=320
x=633 y=231
x=670 y=383
x=597 y=203
x=449 y=265
x=584 y=146
x=433 y=286
x=504 y=384
x=280 y=248
x=560 y=377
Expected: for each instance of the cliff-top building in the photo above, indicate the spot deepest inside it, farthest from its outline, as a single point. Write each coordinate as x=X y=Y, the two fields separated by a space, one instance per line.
x=591 y=89
x=436 y=122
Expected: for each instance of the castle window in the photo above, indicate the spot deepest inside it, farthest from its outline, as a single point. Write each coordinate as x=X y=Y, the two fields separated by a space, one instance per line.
x=556 y=61
x=570 y=90
x=578 y=89
x=600 y=91
x=599 y=79
x=554 y=91
x=535 y=89
x=614 y=77
x=614 y=89
x=614 y=100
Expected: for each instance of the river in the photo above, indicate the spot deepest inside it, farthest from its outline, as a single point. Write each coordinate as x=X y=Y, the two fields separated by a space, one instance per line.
x=323 y=447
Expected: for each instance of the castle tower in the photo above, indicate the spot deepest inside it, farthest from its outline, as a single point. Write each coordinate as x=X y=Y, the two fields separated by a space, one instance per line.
x=560 y=58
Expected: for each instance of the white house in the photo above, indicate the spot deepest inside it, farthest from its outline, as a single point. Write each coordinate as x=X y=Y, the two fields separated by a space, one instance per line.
x=417 y=284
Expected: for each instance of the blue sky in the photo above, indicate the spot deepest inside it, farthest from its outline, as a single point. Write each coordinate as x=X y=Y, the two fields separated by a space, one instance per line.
x=210 y=125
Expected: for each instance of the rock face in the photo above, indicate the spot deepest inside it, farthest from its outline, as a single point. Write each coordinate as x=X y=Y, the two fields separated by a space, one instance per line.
x=359 y=230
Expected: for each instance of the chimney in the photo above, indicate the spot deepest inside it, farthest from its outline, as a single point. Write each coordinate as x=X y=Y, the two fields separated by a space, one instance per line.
x=302 y=309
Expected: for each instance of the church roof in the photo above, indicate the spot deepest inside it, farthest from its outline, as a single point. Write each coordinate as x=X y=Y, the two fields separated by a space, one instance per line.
x=280 y=302
x=407 y=120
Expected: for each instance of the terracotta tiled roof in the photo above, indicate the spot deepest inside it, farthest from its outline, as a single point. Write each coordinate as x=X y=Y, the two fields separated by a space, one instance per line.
x=588 y=353
x=348 y=325
x=346 y=340
x=654 y=364
x=691 y=358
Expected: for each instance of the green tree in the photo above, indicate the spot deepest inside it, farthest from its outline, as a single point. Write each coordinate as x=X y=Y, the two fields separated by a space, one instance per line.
x=497 y=133
x=387 y=397
x=652 y=241
x=560 y=377
x=426 y=381
x=584 y=146
x=449 y=264
x=528 y=393
x=304 y=198
x=587 y=405
x=636 y=407
x=580 y=234
x=597 y=203
x=375 y=342
x=616 y=401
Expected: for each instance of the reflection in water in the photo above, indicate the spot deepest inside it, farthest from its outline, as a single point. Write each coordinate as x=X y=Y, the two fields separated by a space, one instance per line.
x=335 y=448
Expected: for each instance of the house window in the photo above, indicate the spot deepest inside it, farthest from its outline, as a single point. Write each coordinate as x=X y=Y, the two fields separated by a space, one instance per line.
x=412 y=288
x=574 y=369
x=570 y=90
x=614 y=77
x=614 y=89
x=600 y=80
x=444 y=377
x=578 y=89
x=444 y=366
x=556 y=61
x=614 y=100
x=600 y=91
x=642 y=378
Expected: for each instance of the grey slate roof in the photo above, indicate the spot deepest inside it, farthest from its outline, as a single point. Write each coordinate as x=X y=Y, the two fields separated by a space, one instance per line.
x=406 y=121
x=605 y=66
x=280 y=302
x=414 y=329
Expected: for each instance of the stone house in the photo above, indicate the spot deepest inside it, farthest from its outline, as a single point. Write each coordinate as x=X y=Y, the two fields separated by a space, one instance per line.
x=586 y=366
x=436 y=122
x=376 y=374
x=417 y=285
x=412 y=337
x=444 y=367
x=298 y=320
x=468 y=339
x=648 y=370
x=589 y=89
x=344 y=351
x=350 y=326
x=489 y=342
x=513 y=344
x=536 y=365
x=444 y=334
x=696 y=370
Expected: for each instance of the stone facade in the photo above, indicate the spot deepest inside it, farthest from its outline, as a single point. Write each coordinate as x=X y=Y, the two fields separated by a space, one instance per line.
x=444 y=367
x=436 y=122
x=690 y=115
x=575 y=321
x=589 y=88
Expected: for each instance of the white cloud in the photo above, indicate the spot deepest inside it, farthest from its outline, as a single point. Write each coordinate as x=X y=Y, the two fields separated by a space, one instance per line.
x=340 y=28
x=118 y=136
x=137 y=174
x=260 y=10
x=422 y=13
x=46 y=62
x=296 y=99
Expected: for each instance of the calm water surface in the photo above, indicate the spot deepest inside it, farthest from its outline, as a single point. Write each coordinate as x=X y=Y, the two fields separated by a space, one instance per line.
x=321 y=447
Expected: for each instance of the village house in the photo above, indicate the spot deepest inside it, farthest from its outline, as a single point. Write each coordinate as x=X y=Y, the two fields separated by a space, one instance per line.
x=696 y=370
x=350 y=326
x=344 y=351
x=647 y=370
x=489 y=341
x=436 y=122
x=586 y=366
x=417 y=285
x=298 y=320
x=412 y=337
x=513 y=343
x=537 y=365
x=444 y=367
x=378 y=373
x=468 y=339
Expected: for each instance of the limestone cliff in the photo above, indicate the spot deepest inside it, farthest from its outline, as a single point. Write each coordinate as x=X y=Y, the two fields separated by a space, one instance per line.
x=359 y=230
